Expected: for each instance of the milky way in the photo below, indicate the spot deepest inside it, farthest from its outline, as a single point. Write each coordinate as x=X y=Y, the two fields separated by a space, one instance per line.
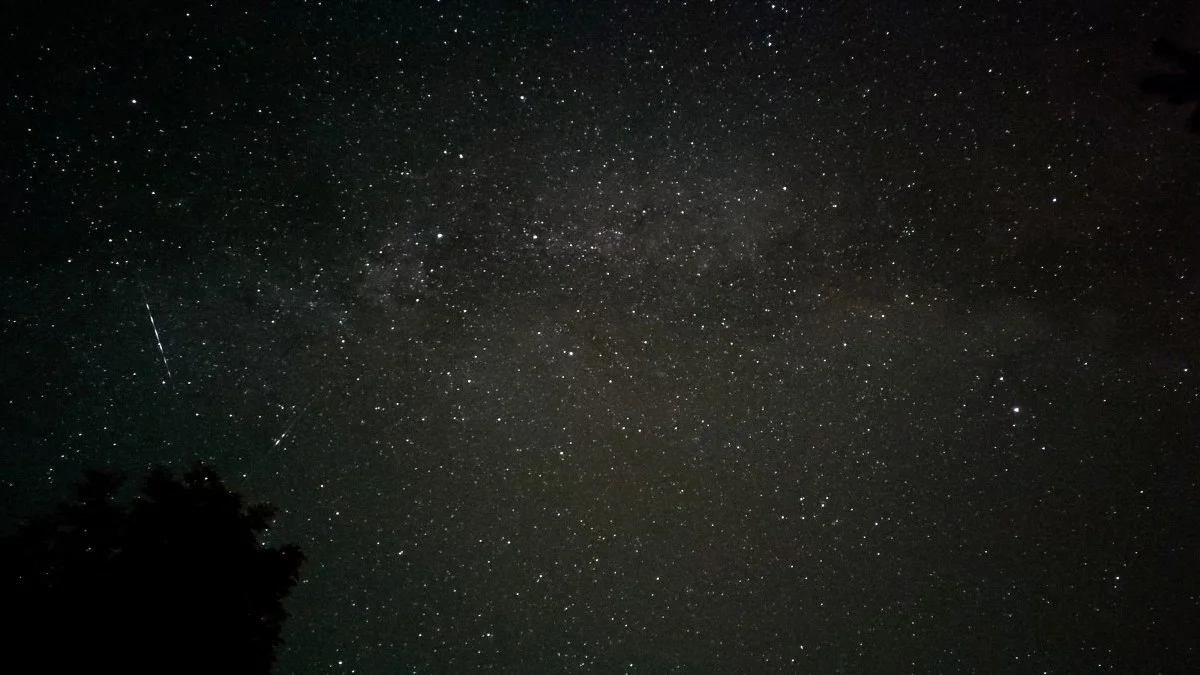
x=648 y=337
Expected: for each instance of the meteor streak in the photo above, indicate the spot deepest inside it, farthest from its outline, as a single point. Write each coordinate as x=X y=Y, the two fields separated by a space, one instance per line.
x=162 y=352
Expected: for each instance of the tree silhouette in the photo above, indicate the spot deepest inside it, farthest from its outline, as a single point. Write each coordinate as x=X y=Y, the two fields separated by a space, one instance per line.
x=1179 y=87
x=175 y=582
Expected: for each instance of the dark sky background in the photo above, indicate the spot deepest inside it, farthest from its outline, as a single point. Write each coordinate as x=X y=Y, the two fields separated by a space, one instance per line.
x=705 y=337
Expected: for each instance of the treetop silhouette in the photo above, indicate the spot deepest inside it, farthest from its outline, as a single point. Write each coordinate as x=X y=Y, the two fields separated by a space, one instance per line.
x=174 y=582
x=1179 y=87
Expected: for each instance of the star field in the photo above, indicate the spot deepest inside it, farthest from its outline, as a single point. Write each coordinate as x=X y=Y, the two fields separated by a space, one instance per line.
x=689 y=337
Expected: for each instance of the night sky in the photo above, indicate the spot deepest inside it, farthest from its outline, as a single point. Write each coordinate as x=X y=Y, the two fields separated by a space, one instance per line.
x=704 y=337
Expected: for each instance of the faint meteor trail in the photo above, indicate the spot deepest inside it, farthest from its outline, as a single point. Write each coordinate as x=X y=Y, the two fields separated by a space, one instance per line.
x=295 y=418
x=162 y=352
